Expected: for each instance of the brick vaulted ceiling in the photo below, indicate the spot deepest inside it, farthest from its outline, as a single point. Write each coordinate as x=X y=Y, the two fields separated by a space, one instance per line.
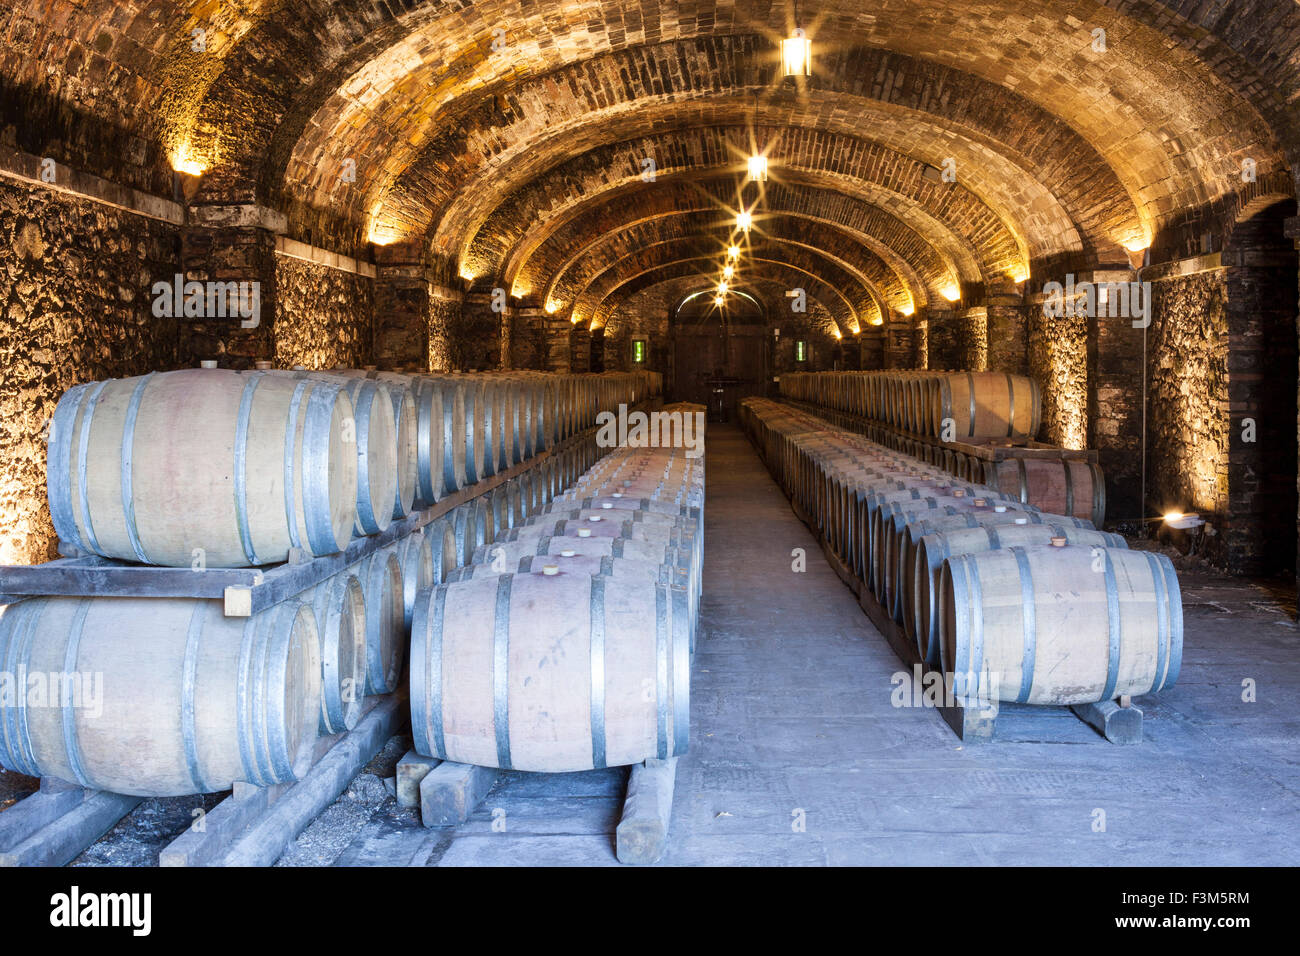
x=508 y=138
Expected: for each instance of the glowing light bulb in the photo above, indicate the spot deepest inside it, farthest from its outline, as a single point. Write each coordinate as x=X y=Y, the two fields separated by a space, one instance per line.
x=758 y=169
x=744 y=220
x=728 y=272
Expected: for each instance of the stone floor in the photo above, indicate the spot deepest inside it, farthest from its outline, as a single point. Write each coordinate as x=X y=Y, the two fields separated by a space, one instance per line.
x=798 y=756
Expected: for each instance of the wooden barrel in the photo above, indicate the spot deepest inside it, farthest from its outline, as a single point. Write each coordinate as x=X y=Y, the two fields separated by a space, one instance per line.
x=375 y=433
x=548 y=673
x=470 y=523
x=921 y=577
x=381 y=583
x=340 y=609
x=986 y=405
x=159 y=697
x=1058 y=485
x=429 y=437
x=415 y=556
x=454 y=435
x=508 y=433
x=1048 y=628
x=406 y=462
x=443 y=547
x=228 y=468
x=477 y=423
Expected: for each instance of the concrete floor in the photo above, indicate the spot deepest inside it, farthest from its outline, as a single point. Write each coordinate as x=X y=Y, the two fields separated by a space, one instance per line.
x=798 y=756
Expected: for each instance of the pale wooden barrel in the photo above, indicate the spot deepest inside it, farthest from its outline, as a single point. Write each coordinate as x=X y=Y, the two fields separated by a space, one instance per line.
x=548 y=673
x=430 y=438
x=373 y=431
x=442 y=543
x=922 y=583
x=470 y=523
x=182 y=698
x=1049 y=629
x=490 y=414
x=230 y=468
x=340 y=609
x=508 y=435
x=987 y=405
x=476 y=439
x=415 y=555
x=454 y=435
x=405 y=426
x=381 y=583
x=1061 y=486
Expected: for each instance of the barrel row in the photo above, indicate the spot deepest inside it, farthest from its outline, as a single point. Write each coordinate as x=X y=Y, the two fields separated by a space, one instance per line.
x=958 y=406
x=168 y=696
x=1042 y=608
x=566 y=644
x=1064 y=483
x=223 y=468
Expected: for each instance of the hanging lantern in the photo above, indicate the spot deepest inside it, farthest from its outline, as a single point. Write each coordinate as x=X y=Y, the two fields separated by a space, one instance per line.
x=758 y=169
x=796 y=54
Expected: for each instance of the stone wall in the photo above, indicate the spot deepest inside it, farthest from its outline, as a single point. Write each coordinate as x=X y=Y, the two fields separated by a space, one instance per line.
x=75 y=306
x=1058 y=360
x=324 y=316
x=1187 y=398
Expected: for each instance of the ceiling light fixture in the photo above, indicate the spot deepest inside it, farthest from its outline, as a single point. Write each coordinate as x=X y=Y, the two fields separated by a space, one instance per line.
x=758 y=168
x=796 y=54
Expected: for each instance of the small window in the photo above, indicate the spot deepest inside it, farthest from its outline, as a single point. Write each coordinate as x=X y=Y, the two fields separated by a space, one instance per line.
x=638 y=350
x=800 y=351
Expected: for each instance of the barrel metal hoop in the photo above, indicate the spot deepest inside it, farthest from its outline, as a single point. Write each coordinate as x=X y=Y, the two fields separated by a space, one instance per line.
x=1029 y=617
x=1113 y=623
x=1011 y=405
x=59 y=472
x=500 y=672
x=243 y=714
x=189 y=733
x=279 y=646
x=977 y=616
x=663 y=647
x=363 y=403
x=597 y=631
x=995 y=542
x=970 y=384
x=290 y=457
x=1024 y=481
x=128 y=449
x=316 y=467
x=241 y=467
x=27 y=615
x=1162 y=620
x=1069 y=488
x=68 y=701
x=433 y=673
x=82 y=450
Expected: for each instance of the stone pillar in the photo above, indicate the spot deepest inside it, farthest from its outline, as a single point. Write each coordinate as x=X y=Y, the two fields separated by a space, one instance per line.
x=401 y=308
x=900 y=340
x=973 y=340
x=942 y=340
x=871 y=346
x=443 y=314
x=230 y=244
x=1110 y=386
x=1007 y=328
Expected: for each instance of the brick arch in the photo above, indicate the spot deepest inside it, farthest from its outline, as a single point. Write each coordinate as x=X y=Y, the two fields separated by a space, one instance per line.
x=911 y=251
x=823 y=300
x=1153 y=159
x=1195 y=80
x=840 y=291
x=493 y=232
x=867 y=269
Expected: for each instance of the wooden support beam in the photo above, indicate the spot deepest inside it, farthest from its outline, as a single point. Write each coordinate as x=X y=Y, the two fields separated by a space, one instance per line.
x=450 y=792
x=411 y=771
x=642 y=834
x=1118 y=724
x=54 y=826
